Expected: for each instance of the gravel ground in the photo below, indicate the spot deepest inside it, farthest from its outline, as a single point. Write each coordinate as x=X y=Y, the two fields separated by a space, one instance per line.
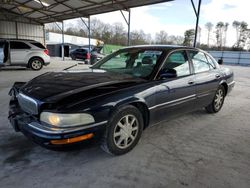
x=194 y=150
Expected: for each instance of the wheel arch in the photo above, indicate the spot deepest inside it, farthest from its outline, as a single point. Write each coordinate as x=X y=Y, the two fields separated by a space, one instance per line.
x=33 y=57
x=143 y=108
x=224 y=84
x=140 y=105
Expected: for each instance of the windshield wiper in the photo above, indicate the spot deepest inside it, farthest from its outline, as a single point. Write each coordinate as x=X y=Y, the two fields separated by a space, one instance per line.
x=70 y=67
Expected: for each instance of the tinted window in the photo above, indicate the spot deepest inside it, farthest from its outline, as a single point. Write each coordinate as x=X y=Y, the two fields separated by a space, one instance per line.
x=37 y=44
x=81 y=50
x=18 y=45
x=136 y=62
x=200 y=62
x=177 y=63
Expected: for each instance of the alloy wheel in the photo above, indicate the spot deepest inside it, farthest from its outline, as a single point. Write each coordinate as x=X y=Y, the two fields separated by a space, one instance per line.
x=126 y=131
x=219 y=97
x=36 y=64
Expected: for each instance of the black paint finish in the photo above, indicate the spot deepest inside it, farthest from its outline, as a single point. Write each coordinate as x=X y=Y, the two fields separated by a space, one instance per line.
x=100 y=93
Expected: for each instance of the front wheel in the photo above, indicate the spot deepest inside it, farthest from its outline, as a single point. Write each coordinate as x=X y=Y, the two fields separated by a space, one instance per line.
x=123 y=131
x=218 y=101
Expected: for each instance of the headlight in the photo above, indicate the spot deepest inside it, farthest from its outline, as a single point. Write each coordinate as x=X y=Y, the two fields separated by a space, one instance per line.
x=66 y=120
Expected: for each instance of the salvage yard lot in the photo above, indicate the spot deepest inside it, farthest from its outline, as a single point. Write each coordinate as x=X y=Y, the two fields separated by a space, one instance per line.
x=194 y=150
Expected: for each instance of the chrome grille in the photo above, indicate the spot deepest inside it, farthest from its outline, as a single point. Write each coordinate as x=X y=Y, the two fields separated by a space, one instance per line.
x=27 y=104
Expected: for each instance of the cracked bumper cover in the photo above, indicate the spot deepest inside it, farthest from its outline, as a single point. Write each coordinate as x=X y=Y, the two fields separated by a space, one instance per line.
x=43 y=134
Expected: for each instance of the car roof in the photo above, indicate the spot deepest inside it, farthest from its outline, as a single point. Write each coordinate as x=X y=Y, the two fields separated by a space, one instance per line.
x=159 y=46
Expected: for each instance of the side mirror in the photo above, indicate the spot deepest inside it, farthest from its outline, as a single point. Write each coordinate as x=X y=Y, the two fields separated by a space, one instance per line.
x=167 y=73
x=220 y=61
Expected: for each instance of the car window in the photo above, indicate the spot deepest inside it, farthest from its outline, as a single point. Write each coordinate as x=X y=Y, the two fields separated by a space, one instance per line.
x=18 y=45
x=177 y=64
x=211 y=61
x=200 y=62
x=81 y=50
x=37 y=44
x=136 y=62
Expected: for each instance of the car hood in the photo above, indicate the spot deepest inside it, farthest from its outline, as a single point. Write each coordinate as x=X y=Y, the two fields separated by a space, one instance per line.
x=54 y=86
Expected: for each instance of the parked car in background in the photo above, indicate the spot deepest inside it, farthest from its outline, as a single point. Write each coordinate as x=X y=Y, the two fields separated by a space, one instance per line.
x=118 y=97
x=83 y=53
x=20 y=52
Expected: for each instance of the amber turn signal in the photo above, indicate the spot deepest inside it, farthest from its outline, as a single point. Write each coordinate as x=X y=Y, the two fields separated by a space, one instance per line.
x=72 y=140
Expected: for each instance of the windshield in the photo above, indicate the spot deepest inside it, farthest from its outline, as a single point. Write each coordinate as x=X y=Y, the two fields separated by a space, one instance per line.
x=135 y=62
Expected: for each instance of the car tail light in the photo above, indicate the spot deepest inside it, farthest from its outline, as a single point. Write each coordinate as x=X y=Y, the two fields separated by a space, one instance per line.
x=88 y=56
x=46 y=51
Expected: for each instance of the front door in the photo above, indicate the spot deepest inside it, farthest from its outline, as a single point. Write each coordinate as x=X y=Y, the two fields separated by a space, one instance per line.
x=176 y=88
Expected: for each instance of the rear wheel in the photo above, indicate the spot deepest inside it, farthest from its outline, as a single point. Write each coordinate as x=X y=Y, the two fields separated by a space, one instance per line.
x=36 y=63
x=124 y=131
x=218 y=100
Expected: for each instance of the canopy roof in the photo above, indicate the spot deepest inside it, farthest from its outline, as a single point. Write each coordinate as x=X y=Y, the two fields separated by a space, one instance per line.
x=46 y=11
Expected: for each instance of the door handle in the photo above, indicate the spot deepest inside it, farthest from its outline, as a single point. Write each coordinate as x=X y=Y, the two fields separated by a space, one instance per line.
x=217 y=76
x=190 y=82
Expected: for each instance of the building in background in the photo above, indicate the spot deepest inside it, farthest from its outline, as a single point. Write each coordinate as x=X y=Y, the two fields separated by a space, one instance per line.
x=54 y=43
x=20 y=30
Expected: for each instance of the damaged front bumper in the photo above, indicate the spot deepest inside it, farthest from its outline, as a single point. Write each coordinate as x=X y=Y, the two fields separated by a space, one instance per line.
x=44 y=134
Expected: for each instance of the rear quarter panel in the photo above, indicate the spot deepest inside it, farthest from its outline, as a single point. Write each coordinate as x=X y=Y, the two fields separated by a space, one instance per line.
x=37 y=53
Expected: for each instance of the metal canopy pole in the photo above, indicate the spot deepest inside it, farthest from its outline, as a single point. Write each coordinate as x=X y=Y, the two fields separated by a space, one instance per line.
x=63 y=40
x=62 y=30
x=89 y=33
x=197 y=13
x=128 y=24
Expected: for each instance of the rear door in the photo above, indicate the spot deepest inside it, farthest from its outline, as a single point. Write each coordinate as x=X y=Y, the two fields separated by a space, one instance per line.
x=18 y=52
x=176 y=92
x=81 y=54
x=207 y=77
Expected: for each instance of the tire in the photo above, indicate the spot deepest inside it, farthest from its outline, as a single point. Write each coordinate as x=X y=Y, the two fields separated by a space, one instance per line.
x=73 y=57
x=121 y=137
x=36 y=63
x=217 y=103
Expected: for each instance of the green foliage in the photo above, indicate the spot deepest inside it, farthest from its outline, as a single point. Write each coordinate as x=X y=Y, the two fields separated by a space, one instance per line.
x=189 y=37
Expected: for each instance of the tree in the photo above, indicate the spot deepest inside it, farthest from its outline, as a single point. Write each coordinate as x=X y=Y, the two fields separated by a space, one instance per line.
x=119 y=34
x=225 y=34
x=219 y=33
x=189 y=37
x=176 y=40
x=161 y=37
x=209 y=27
x=242 y=33
x=236 y=25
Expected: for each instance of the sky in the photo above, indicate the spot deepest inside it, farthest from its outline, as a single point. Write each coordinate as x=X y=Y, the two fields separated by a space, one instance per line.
x=177 y=16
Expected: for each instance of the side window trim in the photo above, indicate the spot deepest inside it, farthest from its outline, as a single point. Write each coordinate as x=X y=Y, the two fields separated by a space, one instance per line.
x=165 y=59
x=213 y=63
x=191 y=59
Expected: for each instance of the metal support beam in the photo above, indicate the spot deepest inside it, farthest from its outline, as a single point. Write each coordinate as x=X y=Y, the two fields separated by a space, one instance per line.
x=62 y=30
x=16 y=29
x=63 y=41
x=197 y=13
x=44 y=35
x=89 y=37
x=89 y=32
x=128 y=24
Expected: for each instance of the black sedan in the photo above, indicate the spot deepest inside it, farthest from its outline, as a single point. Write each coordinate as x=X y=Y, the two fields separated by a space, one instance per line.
x=118 y=97
x=83 y=53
